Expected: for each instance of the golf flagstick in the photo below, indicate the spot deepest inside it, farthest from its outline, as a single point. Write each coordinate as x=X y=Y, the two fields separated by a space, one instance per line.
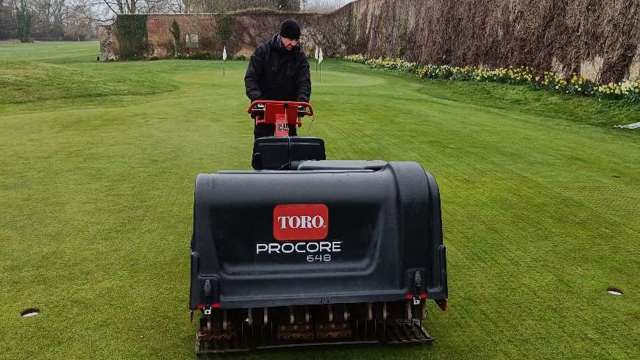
x=224 y=59
x=320 y=59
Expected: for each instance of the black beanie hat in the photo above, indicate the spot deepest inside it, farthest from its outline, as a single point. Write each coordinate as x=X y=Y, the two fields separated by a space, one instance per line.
x=290 y=29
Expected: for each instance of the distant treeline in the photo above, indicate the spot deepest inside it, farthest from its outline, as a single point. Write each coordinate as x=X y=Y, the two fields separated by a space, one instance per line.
x=47 y=20
x=76 y=19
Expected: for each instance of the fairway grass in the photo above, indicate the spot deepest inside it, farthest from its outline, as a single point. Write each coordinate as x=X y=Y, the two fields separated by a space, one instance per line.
x=540 y=203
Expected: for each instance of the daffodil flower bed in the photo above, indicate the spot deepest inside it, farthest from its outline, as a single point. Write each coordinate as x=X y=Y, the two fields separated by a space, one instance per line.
x=628 y=90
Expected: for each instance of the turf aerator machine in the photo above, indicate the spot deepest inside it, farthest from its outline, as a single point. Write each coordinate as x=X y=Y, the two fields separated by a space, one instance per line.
x=303 y=251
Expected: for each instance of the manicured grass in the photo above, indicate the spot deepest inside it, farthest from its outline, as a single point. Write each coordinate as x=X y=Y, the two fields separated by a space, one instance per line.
x=540 y=205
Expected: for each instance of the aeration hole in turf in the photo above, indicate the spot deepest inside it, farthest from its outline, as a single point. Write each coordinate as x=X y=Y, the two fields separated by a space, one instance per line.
x=614 y=291
x=30 y=312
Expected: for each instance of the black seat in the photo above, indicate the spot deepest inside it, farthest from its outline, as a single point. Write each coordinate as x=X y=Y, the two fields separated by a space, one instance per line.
x=286 y=153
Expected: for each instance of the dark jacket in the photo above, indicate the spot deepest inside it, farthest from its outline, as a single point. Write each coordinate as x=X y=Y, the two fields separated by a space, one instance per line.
x=276 y=73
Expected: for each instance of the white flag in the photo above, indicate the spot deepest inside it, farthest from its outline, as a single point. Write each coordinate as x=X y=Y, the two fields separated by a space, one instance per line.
x=224 y=54
x=316 y=57
x=320 y=57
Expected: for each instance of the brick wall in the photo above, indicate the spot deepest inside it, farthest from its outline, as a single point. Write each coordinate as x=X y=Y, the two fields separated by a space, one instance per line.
x=598 y=38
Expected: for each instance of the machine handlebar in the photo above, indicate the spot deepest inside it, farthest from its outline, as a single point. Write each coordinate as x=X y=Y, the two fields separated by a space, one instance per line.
x=304 y=108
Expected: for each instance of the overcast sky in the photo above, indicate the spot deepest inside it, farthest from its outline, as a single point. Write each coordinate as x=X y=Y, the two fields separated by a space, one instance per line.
x=336 y=2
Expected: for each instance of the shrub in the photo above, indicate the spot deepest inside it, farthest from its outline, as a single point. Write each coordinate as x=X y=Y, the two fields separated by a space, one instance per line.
x=131 y=32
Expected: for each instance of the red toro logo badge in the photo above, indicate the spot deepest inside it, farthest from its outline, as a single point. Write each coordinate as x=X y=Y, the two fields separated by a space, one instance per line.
x=300 y=222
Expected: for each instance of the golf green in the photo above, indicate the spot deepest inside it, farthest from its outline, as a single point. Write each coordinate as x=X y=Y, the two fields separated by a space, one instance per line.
x=540 y=200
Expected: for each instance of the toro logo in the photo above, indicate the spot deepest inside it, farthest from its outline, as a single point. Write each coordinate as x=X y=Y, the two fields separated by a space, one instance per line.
x=300 y=222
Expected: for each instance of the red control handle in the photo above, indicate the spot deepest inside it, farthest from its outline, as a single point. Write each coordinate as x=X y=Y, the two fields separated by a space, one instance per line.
x=308 y=109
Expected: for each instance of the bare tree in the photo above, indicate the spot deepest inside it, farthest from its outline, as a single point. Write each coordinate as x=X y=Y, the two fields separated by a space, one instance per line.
x=47 y=18
x=24 y=21
x=8 y=19
x=80 y=20
x=144 y=6
x=122 y=6
x=186 y=6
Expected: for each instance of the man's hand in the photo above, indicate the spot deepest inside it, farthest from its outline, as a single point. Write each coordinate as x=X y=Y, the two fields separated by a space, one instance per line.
x=258 y=109
x=302 y=110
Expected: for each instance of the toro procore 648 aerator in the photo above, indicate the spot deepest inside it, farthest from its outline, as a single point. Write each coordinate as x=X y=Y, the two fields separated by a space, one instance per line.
x=305 y=251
